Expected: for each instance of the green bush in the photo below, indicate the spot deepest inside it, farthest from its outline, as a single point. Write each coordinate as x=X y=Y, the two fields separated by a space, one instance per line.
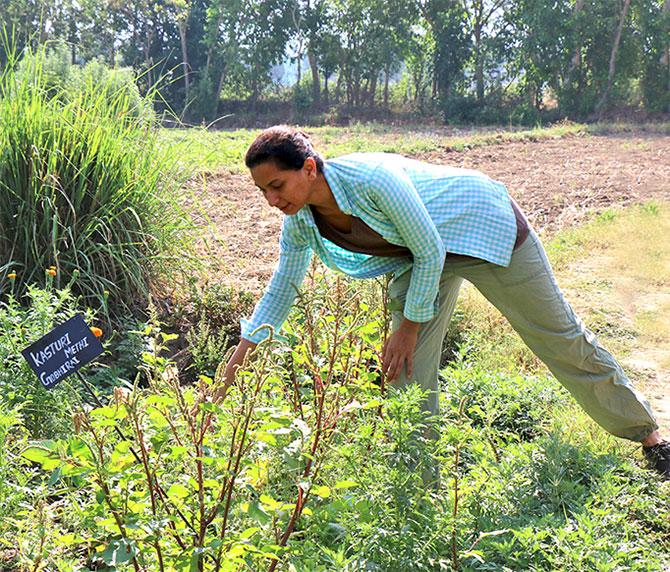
x=303 y=462
x=60 y=78
x=45 y=412
x=85 y=186
x=511 y=406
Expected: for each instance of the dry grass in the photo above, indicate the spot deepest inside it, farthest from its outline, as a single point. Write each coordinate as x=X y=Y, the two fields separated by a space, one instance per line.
x=615 y=272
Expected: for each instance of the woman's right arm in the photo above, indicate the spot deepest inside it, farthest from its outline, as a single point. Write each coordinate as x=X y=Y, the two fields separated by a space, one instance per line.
x=273 y=308
x=235 y=361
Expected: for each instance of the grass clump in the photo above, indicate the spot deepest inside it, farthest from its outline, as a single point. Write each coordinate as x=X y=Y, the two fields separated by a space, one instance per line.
x=84 y=187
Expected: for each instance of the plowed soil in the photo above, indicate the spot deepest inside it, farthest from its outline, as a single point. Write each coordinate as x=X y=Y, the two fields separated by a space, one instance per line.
x=557 y=182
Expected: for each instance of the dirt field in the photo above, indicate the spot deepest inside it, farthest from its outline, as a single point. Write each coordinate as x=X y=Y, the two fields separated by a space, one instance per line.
x=557 y=182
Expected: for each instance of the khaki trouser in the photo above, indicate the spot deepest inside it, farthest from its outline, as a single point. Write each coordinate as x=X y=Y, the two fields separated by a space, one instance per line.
x=527 y=294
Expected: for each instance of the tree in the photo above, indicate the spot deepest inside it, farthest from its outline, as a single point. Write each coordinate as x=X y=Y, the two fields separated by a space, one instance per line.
x=180 y=11
x=449 y=27
x=613 y=55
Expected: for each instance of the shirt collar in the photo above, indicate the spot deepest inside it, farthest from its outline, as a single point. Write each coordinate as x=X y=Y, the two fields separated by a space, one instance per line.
x=337 y=188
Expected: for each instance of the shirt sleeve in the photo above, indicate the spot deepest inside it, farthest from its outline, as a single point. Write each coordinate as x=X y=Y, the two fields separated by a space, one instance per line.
x=397 y=198
x=273 y=308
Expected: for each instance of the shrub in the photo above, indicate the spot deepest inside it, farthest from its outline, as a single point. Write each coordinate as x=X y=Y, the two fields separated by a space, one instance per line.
x=45 y=412
x=84 y=185
x=204 y=486
x=60 y=78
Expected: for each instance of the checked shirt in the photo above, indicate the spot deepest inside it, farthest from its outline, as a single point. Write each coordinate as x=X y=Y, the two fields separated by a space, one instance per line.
x=430 y=209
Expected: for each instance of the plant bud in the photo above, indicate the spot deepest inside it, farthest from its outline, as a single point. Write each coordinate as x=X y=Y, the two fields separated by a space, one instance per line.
x=79 y=420
x=121 y=396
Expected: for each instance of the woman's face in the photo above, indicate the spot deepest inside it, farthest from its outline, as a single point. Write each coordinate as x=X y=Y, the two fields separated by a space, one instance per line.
x=286 y=189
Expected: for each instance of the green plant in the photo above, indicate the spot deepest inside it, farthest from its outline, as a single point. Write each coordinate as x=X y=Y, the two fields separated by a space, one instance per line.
x=45 y=413
x=61 y=78
x=303 y=466
x=84 y=186
x=183 y=482
x=207 y=347
x=12 y=480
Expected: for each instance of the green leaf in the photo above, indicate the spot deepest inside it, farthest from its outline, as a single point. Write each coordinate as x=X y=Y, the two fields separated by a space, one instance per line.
x=119 y=552
x=346 y=484
x=270 y=503
x=249 y=532
x=178 y=491
x=322 y=491
x=256 y=512
x=109 y=412
x=38 y=454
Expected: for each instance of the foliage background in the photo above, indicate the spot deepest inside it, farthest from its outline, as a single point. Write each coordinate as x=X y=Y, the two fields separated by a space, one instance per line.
x=334 y=60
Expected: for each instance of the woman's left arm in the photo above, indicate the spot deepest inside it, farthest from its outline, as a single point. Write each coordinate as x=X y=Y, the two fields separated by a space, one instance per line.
x=394 y=194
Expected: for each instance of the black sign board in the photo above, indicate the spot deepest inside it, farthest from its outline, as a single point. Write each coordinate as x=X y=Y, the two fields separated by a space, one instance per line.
x=63 y=351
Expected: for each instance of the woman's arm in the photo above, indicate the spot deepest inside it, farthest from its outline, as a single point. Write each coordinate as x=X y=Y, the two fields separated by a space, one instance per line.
x=235 y=361
x=394 y=194
x=273 y=308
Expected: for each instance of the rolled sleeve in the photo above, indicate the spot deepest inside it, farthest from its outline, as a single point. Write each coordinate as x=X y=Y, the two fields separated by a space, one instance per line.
x=395 y=195
x=273 y=308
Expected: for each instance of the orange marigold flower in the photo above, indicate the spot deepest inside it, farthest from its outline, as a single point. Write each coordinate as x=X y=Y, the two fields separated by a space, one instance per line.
x=97 y=332
x=11 y=275
x=51 y=271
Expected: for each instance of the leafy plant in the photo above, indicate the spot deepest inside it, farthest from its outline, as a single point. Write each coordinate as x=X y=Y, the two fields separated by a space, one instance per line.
x=84 y=186
x=45 y=413
x=181 y=481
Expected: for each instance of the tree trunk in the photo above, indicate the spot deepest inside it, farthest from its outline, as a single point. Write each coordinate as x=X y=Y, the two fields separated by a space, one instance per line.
x=479 y=66
x=576 y=61
x=326 y=95
x=299 y=61
x=338 y=86
x=316 y=87
x=479 y=59
x=219 y=88
x=210 y=49
x=615 y=50
x=373 y=90
x=184 y=56
x=386 y=87
x=577 y=57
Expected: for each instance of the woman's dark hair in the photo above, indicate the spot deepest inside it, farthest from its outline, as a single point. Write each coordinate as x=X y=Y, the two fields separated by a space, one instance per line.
x=286 y=146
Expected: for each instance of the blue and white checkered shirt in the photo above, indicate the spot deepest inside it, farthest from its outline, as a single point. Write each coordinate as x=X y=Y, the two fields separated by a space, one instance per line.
x=430 y=209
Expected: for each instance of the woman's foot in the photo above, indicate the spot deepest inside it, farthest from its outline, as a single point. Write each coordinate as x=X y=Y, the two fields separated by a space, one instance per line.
x=658 y=457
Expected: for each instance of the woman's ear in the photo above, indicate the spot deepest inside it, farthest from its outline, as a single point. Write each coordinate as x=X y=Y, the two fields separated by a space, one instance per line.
x=310 y=167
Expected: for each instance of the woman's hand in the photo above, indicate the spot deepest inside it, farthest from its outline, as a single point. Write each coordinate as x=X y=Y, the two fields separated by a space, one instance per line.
x=235 y=361
x=399 y=350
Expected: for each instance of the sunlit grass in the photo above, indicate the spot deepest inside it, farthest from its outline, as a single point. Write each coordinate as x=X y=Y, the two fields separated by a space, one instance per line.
x=224 y=150
x=622 y=272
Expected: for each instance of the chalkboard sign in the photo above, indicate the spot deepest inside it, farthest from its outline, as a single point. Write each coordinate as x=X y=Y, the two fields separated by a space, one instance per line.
x=63 y=351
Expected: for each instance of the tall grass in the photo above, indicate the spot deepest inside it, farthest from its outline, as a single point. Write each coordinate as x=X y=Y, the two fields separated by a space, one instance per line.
x=84 y=187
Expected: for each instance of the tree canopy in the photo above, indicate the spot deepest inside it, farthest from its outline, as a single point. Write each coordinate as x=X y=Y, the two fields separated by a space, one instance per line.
x=473 y=60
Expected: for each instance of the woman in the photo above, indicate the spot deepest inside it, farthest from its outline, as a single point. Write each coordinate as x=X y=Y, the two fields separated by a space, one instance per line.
x=432 y=226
